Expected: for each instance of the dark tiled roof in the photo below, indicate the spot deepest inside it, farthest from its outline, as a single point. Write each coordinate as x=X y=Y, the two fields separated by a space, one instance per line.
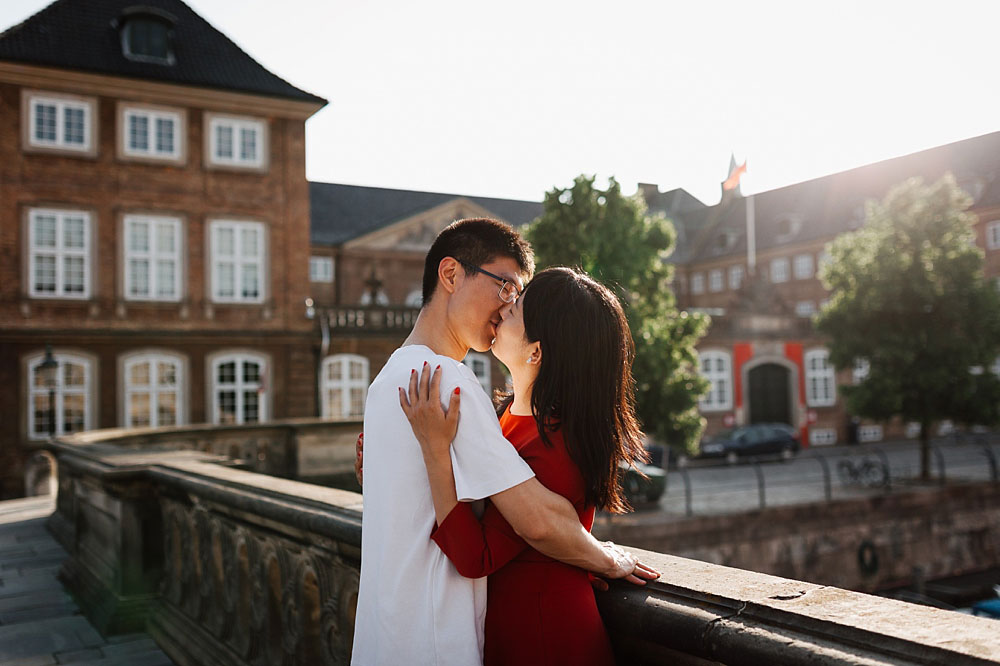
x=681 y=208
x=340 y=213
x=81 y=35
x=827 y=206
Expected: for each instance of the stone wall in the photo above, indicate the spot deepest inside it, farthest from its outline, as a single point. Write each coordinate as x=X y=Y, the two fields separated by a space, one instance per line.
x=231 y=567
x=868 y=543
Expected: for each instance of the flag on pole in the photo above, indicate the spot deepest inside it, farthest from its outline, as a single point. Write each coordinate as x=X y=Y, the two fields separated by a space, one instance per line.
x=733 y=181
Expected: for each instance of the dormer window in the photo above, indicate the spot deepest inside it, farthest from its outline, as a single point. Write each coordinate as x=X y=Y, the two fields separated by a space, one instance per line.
x=147 y=35
x=788 y=227
x=724 y=241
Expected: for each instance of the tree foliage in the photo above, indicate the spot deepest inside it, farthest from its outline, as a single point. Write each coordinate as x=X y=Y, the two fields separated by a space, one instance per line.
x=909 y=296
x=610 y=237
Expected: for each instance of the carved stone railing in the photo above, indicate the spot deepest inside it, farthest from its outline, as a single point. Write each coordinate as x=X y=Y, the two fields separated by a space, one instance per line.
x=304 y=449
x=227 y=566
x=702 y=614
x=220 y=565
x=371 y=319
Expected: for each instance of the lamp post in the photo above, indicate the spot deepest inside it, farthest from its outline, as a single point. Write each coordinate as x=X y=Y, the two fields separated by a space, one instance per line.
x=48 y=369
x=374 y=287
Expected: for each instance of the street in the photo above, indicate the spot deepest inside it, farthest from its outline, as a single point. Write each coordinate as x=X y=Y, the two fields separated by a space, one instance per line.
x=720 y=488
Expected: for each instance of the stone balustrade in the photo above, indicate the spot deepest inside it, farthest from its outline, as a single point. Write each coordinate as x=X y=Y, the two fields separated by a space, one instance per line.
x=225 y=565
x=373 y=319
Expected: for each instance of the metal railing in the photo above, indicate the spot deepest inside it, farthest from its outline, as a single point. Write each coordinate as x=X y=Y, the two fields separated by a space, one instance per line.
x=817 y=475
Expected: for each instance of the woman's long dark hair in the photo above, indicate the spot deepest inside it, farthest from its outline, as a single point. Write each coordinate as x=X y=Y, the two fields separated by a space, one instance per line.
x=584 y=384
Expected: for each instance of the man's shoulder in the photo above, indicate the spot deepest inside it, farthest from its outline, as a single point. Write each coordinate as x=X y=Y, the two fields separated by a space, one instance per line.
x=412 y=357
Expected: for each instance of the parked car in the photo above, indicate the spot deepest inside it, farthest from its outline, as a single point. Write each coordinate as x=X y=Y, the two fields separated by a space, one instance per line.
x=638 y=489
x=752 y=441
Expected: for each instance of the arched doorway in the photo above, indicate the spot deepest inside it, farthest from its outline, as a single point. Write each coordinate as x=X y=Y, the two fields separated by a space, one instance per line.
x=770 y=401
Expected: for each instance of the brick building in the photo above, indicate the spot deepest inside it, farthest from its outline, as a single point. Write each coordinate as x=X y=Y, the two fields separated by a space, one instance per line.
x=155 y=230
x=368 y=249
x=154 y=226
x=762 y=355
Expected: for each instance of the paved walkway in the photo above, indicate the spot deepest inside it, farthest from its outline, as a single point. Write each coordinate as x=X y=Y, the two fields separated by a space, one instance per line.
x=39 y=622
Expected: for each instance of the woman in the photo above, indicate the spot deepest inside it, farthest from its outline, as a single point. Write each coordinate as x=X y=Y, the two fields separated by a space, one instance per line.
x=567 y=345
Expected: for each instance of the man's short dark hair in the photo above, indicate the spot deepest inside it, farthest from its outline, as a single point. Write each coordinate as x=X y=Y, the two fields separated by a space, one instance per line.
x=476 y=241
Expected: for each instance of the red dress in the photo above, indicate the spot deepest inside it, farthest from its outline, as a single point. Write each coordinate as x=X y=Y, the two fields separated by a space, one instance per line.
x=539 y=611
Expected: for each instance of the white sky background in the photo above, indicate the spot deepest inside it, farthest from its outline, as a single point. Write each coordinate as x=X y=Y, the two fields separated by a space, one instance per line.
x=510 y=99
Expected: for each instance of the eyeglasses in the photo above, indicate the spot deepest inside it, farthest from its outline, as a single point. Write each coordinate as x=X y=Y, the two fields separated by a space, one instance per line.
x=508 y=292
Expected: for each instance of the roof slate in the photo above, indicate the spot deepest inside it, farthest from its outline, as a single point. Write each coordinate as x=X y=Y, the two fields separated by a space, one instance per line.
x=80 y=35
x=827 y=206
x=340 y=213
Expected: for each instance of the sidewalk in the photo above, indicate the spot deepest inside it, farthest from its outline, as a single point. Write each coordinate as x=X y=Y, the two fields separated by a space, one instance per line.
x=39 y=622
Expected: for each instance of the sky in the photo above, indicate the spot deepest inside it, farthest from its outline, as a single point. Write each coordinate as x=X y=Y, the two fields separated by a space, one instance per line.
x=512 y=99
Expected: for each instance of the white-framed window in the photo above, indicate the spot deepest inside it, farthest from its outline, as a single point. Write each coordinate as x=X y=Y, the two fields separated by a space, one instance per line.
x=151 y=133
x=321 y=269
x=59 y=253
x=55 y=122
x=153 y=390
x=480 y=366
x=73 y=395
x=715 y=280
x=805 y=308
x=415 y=299
x=869 y=433
x=381 y=298
x=859 y=372
x=820 y=380
x=779 y=270
x=822 y=436
x=823 y=259
x=239 y=251
x=716 y=367
x=239 y=388
x=344 y=387
x=152 y=258
x=236 y=141
x=993 y=235
x=803 y=266
x=736 y=276
x=697 y=283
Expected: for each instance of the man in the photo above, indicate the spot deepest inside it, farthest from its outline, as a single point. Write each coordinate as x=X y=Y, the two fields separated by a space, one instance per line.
x=413 y=606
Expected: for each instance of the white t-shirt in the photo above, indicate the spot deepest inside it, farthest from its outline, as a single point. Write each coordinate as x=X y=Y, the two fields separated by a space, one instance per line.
x=413 y=606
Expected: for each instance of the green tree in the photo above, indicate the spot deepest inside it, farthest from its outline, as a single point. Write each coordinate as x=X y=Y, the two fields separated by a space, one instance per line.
x=908 y=296
x=611 y=237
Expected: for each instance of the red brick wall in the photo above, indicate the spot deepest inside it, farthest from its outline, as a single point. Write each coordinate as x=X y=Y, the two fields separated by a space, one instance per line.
x=106 y=325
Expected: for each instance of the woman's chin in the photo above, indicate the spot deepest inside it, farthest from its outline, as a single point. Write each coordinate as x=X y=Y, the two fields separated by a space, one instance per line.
x=498 y=353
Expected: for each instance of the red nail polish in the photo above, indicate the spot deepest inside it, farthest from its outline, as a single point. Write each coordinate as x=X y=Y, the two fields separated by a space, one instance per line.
x=438 y=368
x=457 y=390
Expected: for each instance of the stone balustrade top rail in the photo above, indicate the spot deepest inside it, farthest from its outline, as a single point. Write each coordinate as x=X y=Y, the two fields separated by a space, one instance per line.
x=236 y=567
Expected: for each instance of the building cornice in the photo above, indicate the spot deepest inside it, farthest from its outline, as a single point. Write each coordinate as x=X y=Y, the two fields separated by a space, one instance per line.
x=153 y=92
x=375 y=240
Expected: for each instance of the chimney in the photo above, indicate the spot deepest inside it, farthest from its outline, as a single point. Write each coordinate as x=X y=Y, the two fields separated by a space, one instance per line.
x=649 y=191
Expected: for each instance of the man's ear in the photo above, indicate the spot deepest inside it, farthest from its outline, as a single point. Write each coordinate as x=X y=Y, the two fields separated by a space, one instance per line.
x=448 y=272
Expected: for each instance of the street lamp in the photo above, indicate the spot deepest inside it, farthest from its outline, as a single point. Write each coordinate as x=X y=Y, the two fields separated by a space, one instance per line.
x=48 y=369
x=374 y=287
